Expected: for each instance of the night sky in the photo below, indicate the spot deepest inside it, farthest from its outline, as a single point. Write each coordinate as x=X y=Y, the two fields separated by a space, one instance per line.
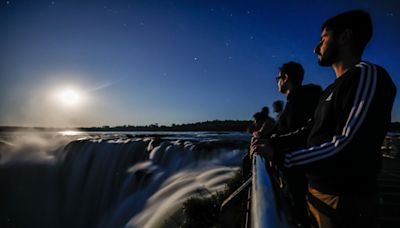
x=93 y=63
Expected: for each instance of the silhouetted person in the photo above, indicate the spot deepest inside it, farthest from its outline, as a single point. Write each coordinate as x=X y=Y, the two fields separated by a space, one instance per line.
x=269 y=122
x=261 y=121
x=342 y=159
x=301 y=101
x=277 y=107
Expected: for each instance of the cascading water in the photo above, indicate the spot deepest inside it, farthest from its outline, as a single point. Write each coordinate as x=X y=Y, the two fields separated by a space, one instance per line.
x=112 y=181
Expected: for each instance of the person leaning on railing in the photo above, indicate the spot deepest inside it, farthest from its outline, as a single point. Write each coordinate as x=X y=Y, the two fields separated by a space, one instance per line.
x=301 y=101
x=261 y=122
x=342 y=159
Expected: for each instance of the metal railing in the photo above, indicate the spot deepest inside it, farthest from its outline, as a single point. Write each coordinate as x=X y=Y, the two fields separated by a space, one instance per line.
x=267 y=209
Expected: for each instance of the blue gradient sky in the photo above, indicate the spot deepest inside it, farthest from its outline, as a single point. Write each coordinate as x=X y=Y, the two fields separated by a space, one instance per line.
x=141 y=62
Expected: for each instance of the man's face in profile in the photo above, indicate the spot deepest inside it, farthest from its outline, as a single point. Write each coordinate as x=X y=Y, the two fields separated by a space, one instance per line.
x=327 y=48
x=281 y=79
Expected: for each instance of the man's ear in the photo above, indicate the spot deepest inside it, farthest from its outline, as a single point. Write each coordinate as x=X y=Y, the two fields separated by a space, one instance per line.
x=285 y=78
x=346 y=36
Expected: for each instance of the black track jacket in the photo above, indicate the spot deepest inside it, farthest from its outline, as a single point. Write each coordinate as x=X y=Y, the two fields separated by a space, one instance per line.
x=300 y=107
x=350 y=122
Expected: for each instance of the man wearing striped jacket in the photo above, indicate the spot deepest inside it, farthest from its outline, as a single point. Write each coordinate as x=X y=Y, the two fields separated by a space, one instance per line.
x=342 y=159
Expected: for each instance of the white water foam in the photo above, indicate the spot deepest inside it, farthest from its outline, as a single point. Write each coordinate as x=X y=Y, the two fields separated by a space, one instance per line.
x=108 y=182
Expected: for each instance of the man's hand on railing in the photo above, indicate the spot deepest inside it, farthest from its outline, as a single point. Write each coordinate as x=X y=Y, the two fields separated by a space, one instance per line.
x=256 y=134
x=262 y=147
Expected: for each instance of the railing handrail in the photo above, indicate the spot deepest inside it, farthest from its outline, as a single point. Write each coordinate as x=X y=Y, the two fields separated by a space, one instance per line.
x=266 y=210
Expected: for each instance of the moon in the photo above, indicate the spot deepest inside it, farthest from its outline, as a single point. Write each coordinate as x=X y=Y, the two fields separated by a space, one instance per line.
x=70 y=97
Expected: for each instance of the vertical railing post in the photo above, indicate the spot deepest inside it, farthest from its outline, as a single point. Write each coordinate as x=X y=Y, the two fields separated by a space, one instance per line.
x=266 y=211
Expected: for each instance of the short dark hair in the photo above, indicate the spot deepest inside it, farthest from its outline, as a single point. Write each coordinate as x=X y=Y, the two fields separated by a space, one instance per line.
x=358 y=21
x=265 y=110
x=259 y=116
x=278 y=104
x=294 y=71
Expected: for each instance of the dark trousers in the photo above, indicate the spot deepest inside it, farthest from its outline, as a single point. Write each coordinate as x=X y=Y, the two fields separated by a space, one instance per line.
x=344 y=210
x=297 y=188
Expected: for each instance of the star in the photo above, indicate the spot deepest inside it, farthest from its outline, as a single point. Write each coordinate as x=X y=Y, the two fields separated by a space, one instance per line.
x=195 y=59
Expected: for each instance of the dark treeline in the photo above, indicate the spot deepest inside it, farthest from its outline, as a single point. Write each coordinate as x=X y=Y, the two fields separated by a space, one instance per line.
x=215 y=125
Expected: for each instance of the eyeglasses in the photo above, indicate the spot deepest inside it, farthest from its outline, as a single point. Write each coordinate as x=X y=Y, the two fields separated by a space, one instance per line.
x=279 y=77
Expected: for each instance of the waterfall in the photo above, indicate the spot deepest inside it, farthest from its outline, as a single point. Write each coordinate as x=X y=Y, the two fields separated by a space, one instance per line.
x=113 y=182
